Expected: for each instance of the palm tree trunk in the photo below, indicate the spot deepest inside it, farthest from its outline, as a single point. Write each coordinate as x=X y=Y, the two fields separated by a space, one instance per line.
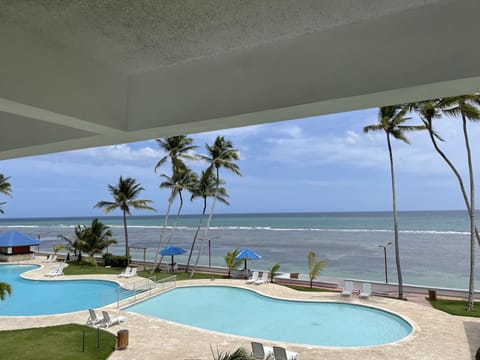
x=126 y=235
x=471 y=285
x=205 y=234
x=169 y=240
x=165 y=222
x=455 y=171
x=395 y=221
x=196 y=234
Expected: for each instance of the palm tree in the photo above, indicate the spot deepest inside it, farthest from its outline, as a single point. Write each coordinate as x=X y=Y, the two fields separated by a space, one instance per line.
x=314 y=266
x=5 y=188
x=177 y=149
x=74 y=242
x=205 y=188
x=125 y=195
x=428 y=111
x=465 y=106
x=96 y=238
x=221 y=154
x=273 y=270
x=4 y=290
x=182 y=179
x=390 y=121
x=231 y=261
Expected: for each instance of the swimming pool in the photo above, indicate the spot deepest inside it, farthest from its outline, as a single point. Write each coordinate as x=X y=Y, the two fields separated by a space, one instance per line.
x=247 y=313
x=37 y=297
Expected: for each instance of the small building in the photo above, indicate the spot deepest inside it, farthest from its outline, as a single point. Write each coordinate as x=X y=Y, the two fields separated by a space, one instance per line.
x=15 y=246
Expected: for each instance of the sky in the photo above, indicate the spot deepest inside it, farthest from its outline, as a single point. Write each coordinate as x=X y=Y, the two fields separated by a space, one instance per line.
x=323 y=163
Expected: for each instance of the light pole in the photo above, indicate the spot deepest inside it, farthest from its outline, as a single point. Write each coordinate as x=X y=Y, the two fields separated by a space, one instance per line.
x=385 y=257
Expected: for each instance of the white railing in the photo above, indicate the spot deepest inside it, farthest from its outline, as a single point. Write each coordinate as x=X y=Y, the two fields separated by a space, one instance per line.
x=167 y=283
x=138 y=290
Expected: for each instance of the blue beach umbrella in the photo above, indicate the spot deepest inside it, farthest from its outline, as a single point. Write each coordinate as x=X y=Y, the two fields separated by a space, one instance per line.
x=172 y=250
x=247 y=254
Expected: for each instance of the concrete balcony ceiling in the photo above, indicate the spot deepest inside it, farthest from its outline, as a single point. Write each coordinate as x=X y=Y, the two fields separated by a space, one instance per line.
x=76 y=74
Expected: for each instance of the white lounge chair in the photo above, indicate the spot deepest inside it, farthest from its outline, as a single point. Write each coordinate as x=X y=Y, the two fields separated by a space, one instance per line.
x=93 y=319
x=109 y=321
x=263 y=279
x=347 y=289
x=52 y=258
x=261 y=352
x=57 y=271
x=366 y=291
x=133 y=272
x=281 y=354
x=125 y=272
x=47 y=258
x=253 y=278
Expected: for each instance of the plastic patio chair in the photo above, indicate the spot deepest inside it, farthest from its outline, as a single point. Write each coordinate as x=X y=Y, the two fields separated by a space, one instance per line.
x=261 y=352
x=281 y=354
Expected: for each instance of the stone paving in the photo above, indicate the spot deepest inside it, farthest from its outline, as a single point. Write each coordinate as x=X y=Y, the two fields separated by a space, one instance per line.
x=436 y=335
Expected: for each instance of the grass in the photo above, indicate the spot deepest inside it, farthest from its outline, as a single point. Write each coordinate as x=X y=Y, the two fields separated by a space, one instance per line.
x=56 y=342
x=182 y=275
x=307 y=288
x=77 y=269
x=74 y=268
x=455 y=307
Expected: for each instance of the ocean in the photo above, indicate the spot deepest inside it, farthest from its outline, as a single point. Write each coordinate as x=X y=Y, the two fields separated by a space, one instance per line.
x=434 y=245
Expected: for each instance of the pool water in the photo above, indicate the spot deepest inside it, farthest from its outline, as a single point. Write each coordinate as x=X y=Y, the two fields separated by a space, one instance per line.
x=38 y=297
x=247 y=313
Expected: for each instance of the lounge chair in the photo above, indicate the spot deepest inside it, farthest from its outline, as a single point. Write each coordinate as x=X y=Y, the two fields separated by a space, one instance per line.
x=281 y=354
x=253 y=278
x=366 y=291
x=48 y=258
x=263 y=279
x=57 y=271
x=347 y=289
x=261 y=352
x=109 y=321
x=125 y=272
x=52 y=258
x=133 y=272
x=93 y=318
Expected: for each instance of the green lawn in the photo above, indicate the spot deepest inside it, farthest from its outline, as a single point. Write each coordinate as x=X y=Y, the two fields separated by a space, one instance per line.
x=180 y=275
x=455 y=307
x=78 y=269
x=307 y=288
x=56 y=342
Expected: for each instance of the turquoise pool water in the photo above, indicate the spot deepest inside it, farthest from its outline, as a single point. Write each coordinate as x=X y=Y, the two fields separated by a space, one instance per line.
x=39 y=297
x=247 y=313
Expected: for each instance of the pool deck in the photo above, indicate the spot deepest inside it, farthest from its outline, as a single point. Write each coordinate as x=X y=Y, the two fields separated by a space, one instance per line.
x=436 y=335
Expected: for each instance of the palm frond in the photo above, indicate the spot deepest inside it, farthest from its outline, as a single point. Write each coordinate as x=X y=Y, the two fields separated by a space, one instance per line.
x=4 y=290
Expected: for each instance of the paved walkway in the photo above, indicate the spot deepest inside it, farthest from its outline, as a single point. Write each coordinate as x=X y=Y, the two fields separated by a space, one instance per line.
x=436 y=335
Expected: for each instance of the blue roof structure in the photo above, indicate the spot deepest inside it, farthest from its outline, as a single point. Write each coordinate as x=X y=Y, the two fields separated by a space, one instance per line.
x=14 y=238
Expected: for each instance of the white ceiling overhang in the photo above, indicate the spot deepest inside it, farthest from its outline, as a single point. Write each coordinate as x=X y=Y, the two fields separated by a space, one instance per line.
x=87 y=73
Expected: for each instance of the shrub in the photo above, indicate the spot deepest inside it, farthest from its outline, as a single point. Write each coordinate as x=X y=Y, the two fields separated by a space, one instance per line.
x=239 y=354
x=115 y=260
